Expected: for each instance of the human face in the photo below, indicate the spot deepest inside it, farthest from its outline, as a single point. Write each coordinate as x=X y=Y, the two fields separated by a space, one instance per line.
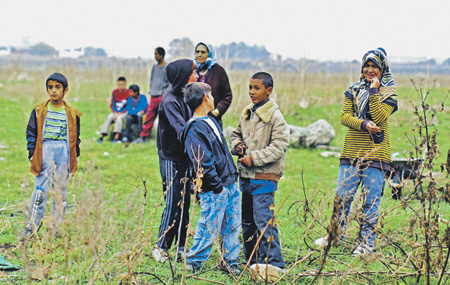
x=158 y=57
x=121 y=85
x=194 y=75
x=371 y=70
x=209 y=101
x=56 y=91
x=201 y=54
x=258 y=92
x=133 y=94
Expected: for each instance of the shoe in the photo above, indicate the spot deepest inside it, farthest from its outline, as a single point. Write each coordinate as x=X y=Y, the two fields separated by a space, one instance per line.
x=181 y=254
x=280 y=270
x=321 y=242
x=116 y=141
x=160 y=255
x=232 y=269
x=125 y=139
x=192 y=267
x=362 y=249
x=100 y=140
x=141 y=140
x=25 y=235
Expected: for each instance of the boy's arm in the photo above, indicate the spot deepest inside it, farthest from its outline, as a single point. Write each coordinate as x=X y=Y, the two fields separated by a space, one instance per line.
x=31 y=134
x=278 y=144
x=175 y=118
x=78 y=136
x=236 y=138
x=113 y=104
x=198 y=148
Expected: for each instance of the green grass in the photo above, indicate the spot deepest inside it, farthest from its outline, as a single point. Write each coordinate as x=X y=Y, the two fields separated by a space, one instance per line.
x=102 y=223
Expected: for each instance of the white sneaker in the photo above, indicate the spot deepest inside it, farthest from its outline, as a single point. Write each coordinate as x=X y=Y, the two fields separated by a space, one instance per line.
x=160 y=255
x=362 y=249
x=321 y=242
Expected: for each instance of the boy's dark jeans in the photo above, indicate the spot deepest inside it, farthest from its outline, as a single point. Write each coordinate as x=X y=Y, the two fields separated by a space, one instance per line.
x=256 y=214
x=130 y=120
x=172 y=173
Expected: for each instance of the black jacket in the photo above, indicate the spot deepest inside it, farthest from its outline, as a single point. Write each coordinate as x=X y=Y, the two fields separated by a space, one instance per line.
x=200 y=141
x=173 y=112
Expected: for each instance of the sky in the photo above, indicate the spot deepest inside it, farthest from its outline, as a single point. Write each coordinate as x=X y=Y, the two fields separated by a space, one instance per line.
x=318 y=29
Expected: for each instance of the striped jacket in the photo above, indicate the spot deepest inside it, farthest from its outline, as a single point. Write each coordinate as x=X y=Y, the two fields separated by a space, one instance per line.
x=358 y=142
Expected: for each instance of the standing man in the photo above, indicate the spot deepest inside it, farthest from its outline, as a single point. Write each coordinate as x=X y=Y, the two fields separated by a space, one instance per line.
x=159 y=85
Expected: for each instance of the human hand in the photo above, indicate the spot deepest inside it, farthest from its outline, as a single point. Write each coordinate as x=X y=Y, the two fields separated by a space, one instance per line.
x=372 y=127
x=240 y=149
x=246 y=160
x=375 y=82
x=140 y=112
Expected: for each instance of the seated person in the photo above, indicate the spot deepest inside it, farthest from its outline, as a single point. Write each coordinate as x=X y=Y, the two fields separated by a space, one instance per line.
x=136 y=106
x=118 y=106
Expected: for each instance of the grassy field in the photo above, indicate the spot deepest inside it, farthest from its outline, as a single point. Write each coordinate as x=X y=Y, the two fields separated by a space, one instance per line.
x=111 y=227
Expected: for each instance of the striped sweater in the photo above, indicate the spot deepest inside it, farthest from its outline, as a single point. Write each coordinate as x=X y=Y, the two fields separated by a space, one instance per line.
x=358 y=142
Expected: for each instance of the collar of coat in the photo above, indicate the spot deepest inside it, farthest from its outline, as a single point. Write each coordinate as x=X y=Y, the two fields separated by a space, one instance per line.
x=264 y=112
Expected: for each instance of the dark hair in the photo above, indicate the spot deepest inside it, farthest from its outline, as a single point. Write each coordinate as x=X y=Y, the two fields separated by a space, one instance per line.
x=194 y=92
x=135 y=88
x=58 y=77
x=265 y=77
x=161 y=51
x=122 y=78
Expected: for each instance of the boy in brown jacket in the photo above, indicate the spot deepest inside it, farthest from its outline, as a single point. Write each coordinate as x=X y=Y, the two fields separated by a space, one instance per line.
x=260 y=140
x=53 y=143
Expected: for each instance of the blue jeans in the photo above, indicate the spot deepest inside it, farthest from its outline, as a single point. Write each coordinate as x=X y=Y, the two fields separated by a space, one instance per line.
x=372 y=179
x=54 y=171
x=221 y=213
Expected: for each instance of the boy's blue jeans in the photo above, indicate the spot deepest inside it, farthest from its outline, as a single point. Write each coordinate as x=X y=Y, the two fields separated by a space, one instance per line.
x=221 y=213
x=372 y=179
x=54 y=170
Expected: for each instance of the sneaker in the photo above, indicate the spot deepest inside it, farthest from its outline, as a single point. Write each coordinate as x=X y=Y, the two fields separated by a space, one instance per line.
x=232 y=269
x=125 y=139
x=181 y=254
x=282 y=271
x=141 y=140
x=100 y=140
x=192 y=267
x=116 y=141
x=160 y=255
x=321 y=242
x=25 y=235
x=362 y=249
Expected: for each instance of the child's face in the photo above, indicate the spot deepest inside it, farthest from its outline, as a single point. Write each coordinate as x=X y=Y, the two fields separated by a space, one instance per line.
x=194 y=75
x=121 y=85
x=258 y=92
x=133 y=94
x=56 y=90
x=209 y=101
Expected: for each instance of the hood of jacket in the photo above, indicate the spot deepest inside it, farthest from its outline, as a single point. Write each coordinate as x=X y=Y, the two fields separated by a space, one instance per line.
x=178 y=73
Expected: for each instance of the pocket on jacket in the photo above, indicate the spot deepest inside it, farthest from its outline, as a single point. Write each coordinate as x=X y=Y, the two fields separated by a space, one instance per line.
x=378 y=137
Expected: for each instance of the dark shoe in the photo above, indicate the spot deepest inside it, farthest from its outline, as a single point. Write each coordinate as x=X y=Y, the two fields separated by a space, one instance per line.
x=192 y=267
x=100 y=140
x=232 y=269
x=26 y=235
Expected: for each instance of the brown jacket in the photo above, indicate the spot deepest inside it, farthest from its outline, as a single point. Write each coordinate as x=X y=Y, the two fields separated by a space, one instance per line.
x=266 y=136
x=72 y=136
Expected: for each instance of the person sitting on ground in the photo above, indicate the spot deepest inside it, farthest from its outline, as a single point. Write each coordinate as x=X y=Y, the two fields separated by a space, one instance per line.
x=219 y=194
x=159 y=85
x=260 y=141
x=136 y=106
x=53 y=136
x=118 y=107
x=366 y=156
x=173 y=162
x=210 y=72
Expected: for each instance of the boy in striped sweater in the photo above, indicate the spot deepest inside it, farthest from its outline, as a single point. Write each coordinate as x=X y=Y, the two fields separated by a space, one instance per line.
x=53 y=136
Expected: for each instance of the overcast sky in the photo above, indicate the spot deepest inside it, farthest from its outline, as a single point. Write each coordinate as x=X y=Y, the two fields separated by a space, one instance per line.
x=327 y=29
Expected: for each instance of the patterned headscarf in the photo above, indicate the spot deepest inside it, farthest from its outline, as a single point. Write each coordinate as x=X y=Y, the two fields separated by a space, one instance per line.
x=359 y=91
x=212 y=57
